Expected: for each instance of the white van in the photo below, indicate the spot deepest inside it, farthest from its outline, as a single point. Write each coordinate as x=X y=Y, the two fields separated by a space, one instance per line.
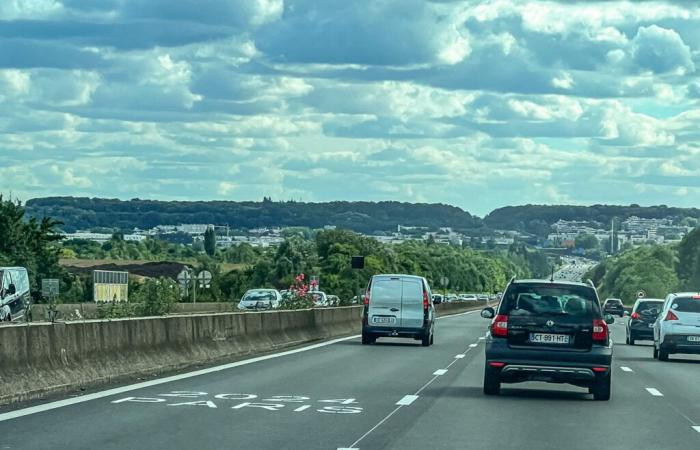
x=14 y=293
x=398 y=306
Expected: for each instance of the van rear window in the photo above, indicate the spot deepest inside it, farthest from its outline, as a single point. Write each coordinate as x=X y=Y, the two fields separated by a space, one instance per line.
x=386 y=290
x=412 y=290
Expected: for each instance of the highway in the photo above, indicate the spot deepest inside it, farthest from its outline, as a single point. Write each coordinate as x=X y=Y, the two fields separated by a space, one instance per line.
x=394 y=395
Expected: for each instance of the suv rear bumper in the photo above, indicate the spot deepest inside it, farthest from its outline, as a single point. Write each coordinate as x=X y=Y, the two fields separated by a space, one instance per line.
x=679 y=344
x=395 y=331
x=549 y=365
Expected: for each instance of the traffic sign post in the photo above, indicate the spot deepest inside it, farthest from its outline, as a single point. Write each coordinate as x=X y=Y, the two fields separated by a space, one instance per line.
x=49 y=290
x=444 y=281
x=641 y=293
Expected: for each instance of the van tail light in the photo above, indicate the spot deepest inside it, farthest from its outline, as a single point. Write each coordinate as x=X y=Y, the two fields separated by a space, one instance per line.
x=635 y=316
x=600 y=331
x=367 y=299
x=671 y=316
x=499 y=326
x=426 y=301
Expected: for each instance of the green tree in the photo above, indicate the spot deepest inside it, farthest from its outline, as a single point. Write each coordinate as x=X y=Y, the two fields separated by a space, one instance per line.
x=587 y=241
x=210 y=241
x=689 y=261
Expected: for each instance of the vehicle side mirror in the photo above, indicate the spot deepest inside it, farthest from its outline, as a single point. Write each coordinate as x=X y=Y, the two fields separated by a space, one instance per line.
x=488 y=313
x=609 y=319
x=11 y=289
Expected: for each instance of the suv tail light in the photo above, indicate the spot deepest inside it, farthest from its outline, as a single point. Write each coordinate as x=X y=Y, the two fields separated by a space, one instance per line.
x=635 y=316
x=600 y=331
x=499 y=326
x=671 y=316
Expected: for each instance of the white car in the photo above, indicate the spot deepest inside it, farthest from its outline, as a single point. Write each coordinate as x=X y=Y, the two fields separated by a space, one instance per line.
x=677 y=328
x=320 y=298
x=256 y=299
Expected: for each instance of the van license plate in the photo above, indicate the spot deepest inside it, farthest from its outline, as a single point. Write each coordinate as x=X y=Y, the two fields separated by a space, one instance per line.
x=545 y=338
x=693 y=338
x=388 y=320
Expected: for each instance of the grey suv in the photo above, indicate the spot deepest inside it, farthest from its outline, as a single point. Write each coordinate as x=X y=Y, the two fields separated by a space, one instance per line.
x=551 y=331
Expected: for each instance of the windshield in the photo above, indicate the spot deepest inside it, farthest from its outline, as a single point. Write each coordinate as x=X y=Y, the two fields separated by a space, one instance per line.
x=259 y=296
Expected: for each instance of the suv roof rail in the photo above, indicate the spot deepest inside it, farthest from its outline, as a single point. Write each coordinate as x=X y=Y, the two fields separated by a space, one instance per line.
x=590 y=283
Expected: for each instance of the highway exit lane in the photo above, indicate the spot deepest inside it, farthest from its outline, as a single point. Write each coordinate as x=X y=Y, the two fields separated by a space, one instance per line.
x=395 y=394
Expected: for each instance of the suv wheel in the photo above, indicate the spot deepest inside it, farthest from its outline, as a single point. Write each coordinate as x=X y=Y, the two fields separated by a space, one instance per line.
x=368 y=339
x=432 y=338
x=656 y=352
x=630 y=339
x=601 y=389
x=663 y=355
x=492 y=383
x=425 y=340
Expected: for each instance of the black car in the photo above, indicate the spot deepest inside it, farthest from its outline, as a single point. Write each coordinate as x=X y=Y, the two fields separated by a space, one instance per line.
x=614 y=306
x=640 y=325
x=551 y=331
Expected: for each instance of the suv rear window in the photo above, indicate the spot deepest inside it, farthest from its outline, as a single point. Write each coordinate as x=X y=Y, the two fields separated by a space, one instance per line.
x=686 y=304
x=613 y=301
x=547 y=299
x=646 y=306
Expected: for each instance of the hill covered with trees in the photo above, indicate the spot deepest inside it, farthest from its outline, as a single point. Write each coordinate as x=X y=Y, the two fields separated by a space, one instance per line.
x=365 y=217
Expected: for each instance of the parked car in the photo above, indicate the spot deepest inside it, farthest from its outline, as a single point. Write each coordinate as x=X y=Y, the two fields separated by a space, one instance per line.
x=614 y=306
x=398 y=306
x=640 y=325
x=14 y=293
x=549 y=331
x=255 y=299
x=677 y=328
x=320 y=299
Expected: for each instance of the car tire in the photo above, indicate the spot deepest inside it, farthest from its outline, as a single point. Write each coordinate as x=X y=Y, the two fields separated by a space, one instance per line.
x=492 y=383
x=630 y=340
x=368 y=339
x=627 y=339
x=656 y=352
x=663 y=355
x=432 y=338
x=425 y=340
x=601 y=389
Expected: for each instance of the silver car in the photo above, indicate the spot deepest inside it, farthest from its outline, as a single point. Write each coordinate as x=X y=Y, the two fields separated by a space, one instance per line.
x=677 y=327
x=256 y=299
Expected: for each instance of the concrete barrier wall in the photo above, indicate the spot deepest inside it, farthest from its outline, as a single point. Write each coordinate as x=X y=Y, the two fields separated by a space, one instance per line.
x=41 y=358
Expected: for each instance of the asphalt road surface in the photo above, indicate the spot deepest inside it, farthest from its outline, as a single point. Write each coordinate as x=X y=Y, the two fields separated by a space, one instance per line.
x=395 y=395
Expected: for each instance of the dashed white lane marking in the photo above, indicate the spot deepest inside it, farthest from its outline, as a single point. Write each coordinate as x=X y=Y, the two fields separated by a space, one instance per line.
x=481 y=338
x=407 y=400
x=654 y=392
x=145 y=384
x=626 y=369
x=696 y=428
x=440 y=372
x=460 y=356
x=473 y=345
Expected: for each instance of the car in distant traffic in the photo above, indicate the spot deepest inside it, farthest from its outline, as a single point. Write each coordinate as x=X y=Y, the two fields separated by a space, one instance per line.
x=320 y=299
x=551 y=331
x=482 y=298
x=333 y=300
x=614 y=306
x=469 y=297
x=398 y=306
x=256 y=299
x=677 y=327
x=437 y=299
x=640 y=325
x=14 y=293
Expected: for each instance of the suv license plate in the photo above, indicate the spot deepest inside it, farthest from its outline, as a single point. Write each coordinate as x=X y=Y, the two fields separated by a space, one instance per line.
x=545 y=338
x=387 y=319
x=693 y=338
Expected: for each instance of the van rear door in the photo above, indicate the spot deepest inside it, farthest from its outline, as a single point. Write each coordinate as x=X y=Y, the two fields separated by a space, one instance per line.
x=412 y=313
x=385 y=302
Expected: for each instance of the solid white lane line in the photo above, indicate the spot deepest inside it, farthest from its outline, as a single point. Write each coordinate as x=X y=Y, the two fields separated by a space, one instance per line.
x=626 y=369
x=654 y=392
x=440 y=372
x=460 y=356
x=407 y=400
x=696 y=428
x=145 y=384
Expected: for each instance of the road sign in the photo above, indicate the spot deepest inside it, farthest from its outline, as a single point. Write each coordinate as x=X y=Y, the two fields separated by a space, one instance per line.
x=641 y=294
x=110 y=286
x=204 y=278
x=49 y=287
x=314 y=283
x=357 y=262
x=444 y=281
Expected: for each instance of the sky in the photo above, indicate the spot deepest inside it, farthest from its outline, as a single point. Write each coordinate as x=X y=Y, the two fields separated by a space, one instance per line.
x=475 y=104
